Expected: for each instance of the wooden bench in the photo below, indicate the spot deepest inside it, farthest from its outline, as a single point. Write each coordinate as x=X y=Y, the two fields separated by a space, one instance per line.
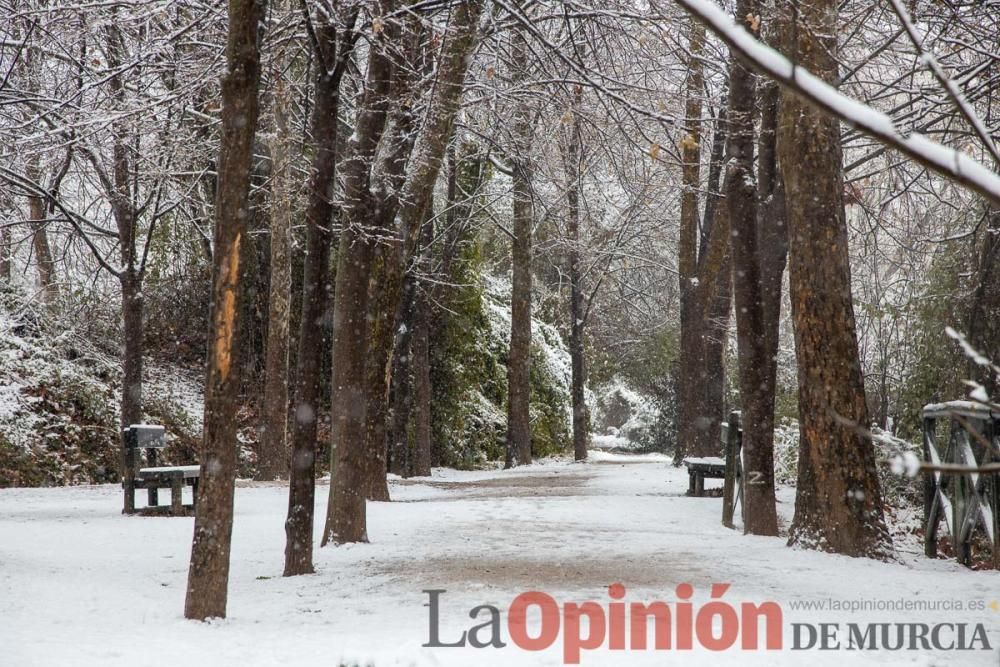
x=711 y=467
x=150 y=437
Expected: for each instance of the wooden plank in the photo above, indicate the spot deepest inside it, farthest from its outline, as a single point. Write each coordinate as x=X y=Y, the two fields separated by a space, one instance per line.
x=950 y=409
x=169 y=472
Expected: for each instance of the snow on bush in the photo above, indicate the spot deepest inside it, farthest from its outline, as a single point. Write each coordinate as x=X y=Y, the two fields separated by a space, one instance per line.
x=59 y=400
x=897 y=490
x=551 y=366
x=786 y=452
x=471 y=387
x=622 y=417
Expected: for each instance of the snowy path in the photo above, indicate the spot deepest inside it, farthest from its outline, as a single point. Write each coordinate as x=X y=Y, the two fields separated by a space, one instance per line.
x=82 y=585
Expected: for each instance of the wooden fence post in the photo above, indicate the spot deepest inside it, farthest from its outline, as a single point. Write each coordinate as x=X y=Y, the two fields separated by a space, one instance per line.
x=733 y=474
x=930 y=492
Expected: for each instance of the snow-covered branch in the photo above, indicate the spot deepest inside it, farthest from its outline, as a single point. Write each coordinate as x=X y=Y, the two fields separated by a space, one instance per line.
x=948 y=162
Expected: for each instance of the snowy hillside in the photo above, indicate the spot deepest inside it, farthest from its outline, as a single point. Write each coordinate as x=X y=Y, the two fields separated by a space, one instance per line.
x=59 y=398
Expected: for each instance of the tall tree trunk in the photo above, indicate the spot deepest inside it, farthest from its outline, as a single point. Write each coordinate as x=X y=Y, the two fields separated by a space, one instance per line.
x=714 y=342
x=122 y=198
x=315 y=301
x=838 y=504
x=741 y=195
x=382 y=318
x=132 y=311
x=315 y=290
x=208 y=576
x=387 y=270
x=421 y=387
x=713 y=298
x=272 y=456
x=346 y=519
x=400 y=394
x=577 y=315
x=772 y=253
x=692 y=425
x=345 y=516
x=519 y=359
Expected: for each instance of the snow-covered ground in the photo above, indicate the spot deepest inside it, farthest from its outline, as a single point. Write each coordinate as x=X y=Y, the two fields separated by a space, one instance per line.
x=80 y=584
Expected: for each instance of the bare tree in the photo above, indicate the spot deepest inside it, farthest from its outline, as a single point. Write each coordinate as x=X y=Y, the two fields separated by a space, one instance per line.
x=741 y=197
x=519 y=359
x=272 y=457
x=346 y=520
x=333 y=47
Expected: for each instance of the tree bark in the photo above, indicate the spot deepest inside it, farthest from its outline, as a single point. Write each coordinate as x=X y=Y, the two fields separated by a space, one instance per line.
x=316 y=288
x=715 y=314
x=345 y=516
x=387 y=270
x=519 y=360
x=272 y=455
x=400 y=394
x=757 y=417
x=382 y=318
x=577 y=314
x=422 y=387
x=132 y=312
x=695 y=418
x=208 y=575
x=838 y=505
x=712 y=300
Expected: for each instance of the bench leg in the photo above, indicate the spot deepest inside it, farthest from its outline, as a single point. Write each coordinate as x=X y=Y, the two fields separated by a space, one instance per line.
x=699 y=485
x=176 y=489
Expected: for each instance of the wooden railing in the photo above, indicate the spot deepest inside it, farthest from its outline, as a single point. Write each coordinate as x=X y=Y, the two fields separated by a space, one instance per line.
x=961 y=482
